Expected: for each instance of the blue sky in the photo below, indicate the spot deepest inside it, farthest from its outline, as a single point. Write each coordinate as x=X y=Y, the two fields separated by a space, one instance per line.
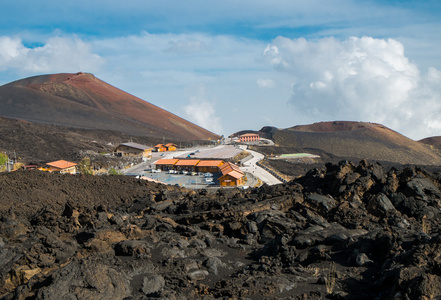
x=234 y=65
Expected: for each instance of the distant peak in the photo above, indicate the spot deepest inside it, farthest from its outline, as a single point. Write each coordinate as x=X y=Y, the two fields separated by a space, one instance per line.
x=334 y=126
x=85 y=74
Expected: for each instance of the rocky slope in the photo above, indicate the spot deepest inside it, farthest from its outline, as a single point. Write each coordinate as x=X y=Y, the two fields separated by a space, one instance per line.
x=40 y=143
x=434 y=142
x=348 y=231
x=81 y=100
x=353 y=141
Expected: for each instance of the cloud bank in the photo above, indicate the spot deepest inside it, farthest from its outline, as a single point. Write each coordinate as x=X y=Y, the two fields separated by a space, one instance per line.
x=296 y=81
x=58 y=54
x=360 y=79
x=203 y=112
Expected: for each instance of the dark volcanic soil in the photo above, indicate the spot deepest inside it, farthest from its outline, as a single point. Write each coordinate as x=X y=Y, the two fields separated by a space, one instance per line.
x=41 y=143
x=343 y=232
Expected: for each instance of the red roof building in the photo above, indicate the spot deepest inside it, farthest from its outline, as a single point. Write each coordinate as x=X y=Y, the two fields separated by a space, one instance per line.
x=187 y=165
x=210 y=166
x=166 y=164
x=61 y=166
x=160 y=148
x=171 y=147
x=249 y=137
x=232 y=175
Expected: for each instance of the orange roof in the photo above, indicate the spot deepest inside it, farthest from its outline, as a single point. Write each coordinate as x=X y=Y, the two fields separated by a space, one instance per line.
x=159 y=146
x=210 y=163
x=61 y=164
x=170 y=144
x=187 y=162
x=249 y=134
x=165 y=161
x=234 y=174
x=229 y=167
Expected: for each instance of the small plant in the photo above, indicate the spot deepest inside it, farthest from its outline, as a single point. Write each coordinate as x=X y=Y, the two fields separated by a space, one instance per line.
x=112 y=171
x=425 y=226
x=3 y=160
x=330 y=279
x=85 y=166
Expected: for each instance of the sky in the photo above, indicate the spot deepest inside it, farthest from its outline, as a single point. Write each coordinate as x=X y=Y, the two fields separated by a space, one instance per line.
x=240 y=65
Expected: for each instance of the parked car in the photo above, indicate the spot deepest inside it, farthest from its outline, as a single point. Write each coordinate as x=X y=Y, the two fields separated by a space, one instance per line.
x=184 y=172
x=208 y=175
x=208 y=179
x=194 y=173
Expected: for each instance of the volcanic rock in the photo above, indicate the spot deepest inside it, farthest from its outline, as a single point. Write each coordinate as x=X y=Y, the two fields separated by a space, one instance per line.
x=347 y=231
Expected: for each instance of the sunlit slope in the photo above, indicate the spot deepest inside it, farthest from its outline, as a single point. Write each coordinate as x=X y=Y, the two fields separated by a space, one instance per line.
x=357 y=140
x=82 y=100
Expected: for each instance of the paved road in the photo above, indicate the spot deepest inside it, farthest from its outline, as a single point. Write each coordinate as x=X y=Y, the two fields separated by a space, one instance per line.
x=251 y=167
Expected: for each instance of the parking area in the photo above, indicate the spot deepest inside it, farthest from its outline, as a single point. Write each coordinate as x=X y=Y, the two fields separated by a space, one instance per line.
x=185 y=180
x=192 y=180
x=219 y=152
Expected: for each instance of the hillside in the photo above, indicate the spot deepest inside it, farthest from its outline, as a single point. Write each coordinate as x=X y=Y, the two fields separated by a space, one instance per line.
x=39 y=143
x=353 y=140
x=81 y=100
x=434 y=142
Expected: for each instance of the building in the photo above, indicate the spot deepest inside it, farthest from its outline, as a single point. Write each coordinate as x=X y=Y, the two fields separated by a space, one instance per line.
x=231 y=175
x=171 y=147
x=160 y=148
x=60 y=166
x=210 y=166
x=166 y=164
x=133 y=149
x=249 y=137
x=187 y=165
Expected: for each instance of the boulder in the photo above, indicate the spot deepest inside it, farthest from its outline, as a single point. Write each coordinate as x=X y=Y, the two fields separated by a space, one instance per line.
x=323 y=204
x=380 y=205
x=132 y=248
x=152 y=284
x=85 y=279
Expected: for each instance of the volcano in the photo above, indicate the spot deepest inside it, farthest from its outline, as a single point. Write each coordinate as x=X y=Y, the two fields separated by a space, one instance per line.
x=352 y=141
x=83 y=101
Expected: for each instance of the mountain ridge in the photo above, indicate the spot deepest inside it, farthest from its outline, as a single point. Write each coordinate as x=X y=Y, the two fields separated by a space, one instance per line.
x=85 y=101
x=353 y=140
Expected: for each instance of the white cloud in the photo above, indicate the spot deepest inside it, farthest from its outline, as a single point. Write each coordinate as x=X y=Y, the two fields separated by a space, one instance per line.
x=58 y=54
x=187 y=46
x=266 y=83
x=203 y=112
x=362 y=79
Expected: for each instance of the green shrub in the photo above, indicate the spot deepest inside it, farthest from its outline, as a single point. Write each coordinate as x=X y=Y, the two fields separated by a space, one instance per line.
x=112 y=171
x=85 y=166
x=3 y=160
